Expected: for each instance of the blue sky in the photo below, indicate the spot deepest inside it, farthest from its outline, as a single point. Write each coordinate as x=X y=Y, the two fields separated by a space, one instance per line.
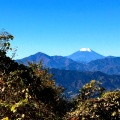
x=61 y=27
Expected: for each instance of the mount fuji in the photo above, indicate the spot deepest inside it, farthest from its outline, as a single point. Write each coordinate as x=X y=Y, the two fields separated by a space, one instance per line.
x=83 y=60
x=85 y=55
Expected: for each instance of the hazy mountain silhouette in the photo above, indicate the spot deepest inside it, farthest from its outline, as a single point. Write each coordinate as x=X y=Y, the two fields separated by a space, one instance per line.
x=51 y=61
x=108 y=65
x=73 y=80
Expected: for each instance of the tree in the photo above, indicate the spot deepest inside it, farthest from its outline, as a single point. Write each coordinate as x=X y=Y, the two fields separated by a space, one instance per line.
x=105 y=106
x=5 y=37
x=91 y=90
x=27 y=92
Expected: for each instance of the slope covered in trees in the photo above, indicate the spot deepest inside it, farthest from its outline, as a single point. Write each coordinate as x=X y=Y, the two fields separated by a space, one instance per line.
x=27 y=92
x=93 y=103
x=73 y=80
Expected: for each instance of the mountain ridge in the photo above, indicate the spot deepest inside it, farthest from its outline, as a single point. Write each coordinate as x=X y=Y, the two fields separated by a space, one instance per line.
x=73 y=80
x=108 y=65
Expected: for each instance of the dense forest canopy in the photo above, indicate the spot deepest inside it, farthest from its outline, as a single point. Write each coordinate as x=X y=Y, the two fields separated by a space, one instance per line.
x=30 y=92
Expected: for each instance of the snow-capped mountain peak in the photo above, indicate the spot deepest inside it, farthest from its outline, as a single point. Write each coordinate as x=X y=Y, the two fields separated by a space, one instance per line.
x=86 y=49
x=85 y=54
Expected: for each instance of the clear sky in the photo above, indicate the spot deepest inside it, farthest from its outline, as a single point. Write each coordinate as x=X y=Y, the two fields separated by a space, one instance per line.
x=61 y=27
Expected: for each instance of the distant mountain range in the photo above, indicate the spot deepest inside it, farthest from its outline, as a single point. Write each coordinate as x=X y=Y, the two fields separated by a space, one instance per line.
x=49 y=61
x=77 y=69
x=83 y=60
x=108 y=65
x=73 y=80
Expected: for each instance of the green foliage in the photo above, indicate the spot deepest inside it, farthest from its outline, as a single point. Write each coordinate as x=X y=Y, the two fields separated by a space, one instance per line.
x=28 y=92
x=5 y=37
x=100 y=106
x=91 y=90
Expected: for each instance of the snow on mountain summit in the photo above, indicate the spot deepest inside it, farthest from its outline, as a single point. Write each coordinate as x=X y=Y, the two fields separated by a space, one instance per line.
x=85 y=54
x=86 y=49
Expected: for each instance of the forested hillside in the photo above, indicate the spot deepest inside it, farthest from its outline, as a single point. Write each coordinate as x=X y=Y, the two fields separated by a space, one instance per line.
x=30 y=93
x=73 y=80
